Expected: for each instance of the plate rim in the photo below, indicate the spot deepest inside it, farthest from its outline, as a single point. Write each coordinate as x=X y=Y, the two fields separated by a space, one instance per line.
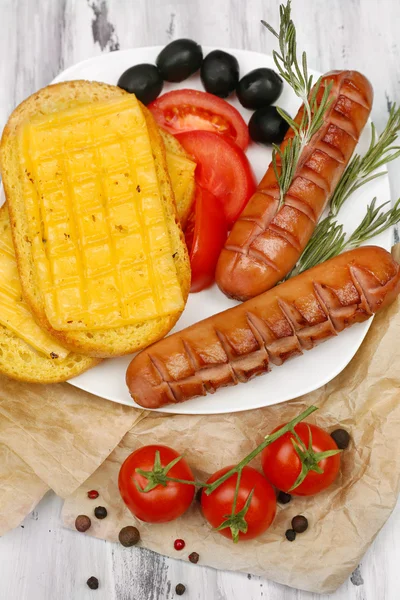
x=170 y=409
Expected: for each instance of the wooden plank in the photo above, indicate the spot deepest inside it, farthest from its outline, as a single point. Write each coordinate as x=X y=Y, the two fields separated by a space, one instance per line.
x=42 y=561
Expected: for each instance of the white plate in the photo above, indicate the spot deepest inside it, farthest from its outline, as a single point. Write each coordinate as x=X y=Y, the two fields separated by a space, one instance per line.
x=294 y=378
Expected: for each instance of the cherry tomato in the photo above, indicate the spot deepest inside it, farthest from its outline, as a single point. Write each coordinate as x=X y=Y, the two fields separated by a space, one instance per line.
x=189 y=110
x=282 y=465
x=222 y=168
x=205 y=235
x=262 y=508
x=162 y=503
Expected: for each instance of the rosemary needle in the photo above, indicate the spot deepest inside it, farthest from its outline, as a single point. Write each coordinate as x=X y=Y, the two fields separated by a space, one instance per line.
x=329 y=240
x=296 y=75
x=381 y=151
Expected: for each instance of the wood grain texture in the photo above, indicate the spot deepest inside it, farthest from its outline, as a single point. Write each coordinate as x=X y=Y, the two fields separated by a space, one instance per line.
x=40 y=560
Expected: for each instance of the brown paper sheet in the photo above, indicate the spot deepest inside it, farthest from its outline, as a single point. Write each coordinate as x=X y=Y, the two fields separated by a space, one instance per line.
x=20 y=489
x=58 y=432
x=344 y=520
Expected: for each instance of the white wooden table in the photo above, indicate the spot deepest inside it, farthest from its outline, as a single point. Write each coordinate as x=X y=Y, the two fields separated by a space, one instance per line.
x=40 y=560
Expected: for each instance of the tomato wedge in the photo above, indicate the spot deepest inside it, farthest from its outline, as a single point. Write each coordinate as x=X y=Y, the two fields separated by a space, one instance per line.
x=222 y=168
x=205 y=235
x=189 y=110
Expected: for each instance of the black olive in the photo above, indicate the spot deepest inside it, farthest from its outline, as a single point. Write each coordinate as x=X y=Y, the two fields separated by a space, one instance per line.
x=258 y=88
x=341 y=437
x=267 y=126
x=299 y=524
x=143 y=80
x=220 y=73
x=179 y=59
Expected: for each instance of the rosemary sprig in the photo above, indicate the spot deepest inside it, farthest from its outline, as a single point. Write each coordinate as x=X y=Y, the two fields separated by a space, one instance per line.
x=301 y=82
x=381 y=151
x=329 y=240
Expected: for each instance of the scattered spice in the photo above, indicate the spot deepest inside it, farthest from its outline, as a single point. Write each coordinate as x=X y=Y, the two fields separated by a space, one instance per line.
x=173 y=256
x=299 y=523
x=290 y=535
x=341 y=437
x=82 y=523
x=180 y=589
x=100 y=512
x=284 y=498
x=93 y=494
x=129 y=536
x=179 y=544
x=93 y=583
x=138 y=189
x=194 y=558
x=53 y=355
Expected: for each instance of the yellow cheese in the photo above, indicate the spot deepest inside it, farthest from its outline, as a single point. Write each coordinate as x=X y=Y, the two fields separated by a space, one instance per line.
x=99 y=236
x=14 y=313
x=181 y=172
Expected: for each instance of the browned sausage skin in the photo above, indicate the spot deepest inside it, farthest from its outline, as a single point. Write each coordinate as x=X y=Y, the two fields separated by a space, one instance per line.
x=267 y=241
x=241 y=342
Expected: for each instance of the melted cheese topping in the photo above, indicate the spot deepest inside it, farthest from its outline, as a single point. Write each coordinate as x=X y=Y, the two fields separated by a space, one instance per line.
x=99 y=235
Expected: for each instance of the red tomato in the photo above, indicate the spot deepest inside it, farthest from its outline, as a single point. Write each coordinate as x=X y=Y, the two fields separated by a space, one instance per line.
x=162 y=503
x=205 y=235
x=189 y=110
x=282 y=465
x=219 y=503
x=222 y=168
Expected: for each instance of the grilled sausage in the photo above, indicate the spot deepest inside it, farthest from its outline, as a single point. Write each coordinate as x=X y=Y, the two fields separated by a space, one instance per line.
x=239 y=343
x=267 y=241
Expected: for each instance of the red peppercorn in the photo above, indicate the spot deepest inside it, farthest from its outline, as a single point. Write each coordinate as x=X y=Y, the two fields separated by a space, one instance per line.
x=93 y=494
x=179 y=544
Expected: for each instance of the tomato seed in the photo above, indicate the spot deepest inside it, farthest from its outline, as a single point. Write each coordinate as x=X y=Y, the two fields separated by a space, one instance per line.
x=179 y=544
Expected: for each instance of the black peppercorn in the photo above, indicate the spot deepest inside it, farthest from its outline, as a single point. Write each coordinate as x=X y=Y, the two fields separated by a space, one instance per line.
x=194 y=558
x=129 y=536
x=93 y=583
x=82 y=523
x=180 y=589
x=290 y=535
x=100 y=512
x=299 y=523
x=284 y=498
x=341 y=437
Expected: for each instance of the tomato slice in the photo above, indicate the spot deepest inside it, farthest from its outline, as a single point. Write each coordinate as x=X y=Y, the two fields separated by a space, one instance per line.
x=222 y=168
x=205 y=235
x=189 y=110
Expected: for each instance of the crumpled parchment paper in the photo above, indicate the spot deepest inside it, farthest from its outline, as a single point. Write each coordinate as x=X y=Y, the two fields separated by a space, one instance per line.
x=59 y=437
x=343 y=520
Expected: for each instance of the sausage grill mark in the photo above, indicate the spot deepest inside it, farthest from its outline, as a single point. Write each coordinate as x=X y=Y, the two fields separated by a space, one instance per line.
x=269 y=349
x=268 y=238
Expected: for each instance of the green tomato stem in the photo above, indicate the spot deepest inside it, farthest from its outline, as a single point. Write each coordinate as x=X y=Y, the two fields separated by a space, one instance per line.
x=267 y=441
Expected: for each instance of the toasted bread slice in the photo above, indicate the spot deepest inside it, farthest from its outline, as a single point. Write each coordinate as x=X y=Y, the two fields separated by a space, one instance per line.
x=99 y=342
x=181 y=171
x=26 y=352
